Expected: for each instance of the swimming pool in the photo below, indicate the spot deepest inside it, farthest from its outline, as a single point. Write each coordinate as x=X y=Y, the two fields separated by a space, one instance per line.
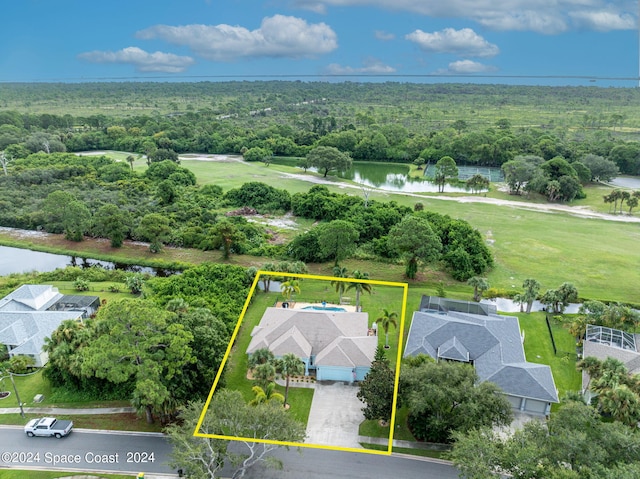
x=324 y=308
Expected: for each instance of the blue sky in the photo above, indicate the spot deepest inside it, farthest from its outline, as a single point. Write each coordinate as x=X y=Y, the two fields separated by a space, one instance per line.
x=468 y=40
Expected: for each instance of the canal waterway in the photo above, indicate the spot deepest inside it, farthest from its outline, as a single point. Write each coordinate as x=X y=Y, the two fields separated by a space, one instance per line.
x=18 y=260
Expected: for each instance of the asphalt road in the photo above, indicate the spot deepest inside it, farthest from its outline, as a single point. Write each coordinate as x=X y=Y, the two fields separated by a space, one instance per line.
x=131 y=452
x=86 y=451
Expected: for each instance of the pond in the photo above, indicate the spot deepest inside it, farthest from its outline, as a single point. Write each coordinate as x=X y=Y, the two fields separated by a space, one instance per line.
x=385 y=176
x=626 y=182
x=18 y=260
x=505 y=305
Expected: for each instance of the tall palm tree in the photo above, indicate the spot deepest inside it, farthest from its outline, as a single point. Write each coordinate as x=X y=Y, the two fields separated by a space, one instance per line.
x=479 y=286
x=359 y=287
x=289 y=365
x=260 y=356
x=386 y=319
x=289 y=288
x=518 y=299
x=265 y=395
x=531 y=289
x=264 y=373
x=340 y=272
x=592 y=366
x=622 y=403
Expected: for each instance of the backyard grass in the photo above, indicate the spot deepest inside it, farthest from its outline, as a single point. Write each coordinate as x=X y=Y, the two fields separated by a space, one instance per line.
x=22 y=474
x=538 y=349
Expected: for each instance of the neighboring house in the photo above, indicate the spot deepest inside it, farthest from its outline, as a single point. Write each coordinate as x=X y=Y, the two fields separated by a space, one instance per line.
x=445 y=330
x=602 y=342
x=33 y=312
x=335 y=345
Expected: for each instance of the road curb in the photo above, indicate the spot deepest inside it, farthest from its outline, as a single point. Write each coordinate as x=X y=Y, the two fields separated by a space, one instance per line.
x=98 y=431
x=153 y=475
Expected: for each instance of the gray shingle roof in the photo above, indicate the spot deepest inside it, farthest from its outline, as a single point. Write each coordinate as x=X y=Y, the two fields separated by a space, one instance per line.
x=453 y=349
x=335 y=338
x=25 y=320
x=28 y=330
x=36 y=297
x=493 y=344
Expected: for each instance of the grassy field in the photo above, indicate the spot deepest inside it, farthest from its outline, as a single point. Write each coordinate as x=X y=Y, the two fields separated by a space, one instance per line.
x=31 y=474
x=550 y=246
x=538 y=349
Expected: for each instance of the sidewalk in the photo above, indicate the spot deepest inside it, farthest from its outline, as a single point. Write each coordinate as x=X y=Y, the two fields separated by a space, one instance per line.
x=57 y=410
x=381 y=441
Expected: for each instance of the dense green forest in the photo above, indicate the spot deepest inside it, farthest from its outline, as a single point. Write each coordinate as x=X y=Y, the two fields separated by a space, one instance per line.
x=474 y=124
x=97 y=196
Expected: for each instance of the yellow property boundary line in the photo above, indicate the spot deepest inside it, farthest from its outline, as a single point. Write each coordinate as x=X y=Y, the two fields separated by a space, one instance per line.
x=405 y=288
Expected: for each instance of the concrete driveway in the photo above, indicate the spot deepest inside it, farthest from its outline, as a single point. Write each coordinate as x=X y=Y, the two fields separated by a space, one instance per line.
x=335 y=415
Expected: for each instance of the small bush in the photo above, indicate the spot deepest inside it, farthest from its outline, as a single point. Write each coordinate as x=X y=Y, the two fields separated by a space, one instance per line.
x=81 y=284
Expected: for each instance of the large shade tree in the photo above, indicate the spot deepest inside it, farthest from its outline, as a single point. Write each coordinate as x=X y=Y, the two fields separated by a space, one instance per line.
x=229 y=415
x=445 y=397
x=135 y=341
x=328 y=158
x=414 y=239
x=337 y=239
x=573 y=444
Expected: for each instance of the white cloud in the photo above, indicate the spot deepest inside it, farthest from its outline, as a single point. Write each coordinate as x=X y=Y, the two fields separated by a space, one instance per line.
x=603 y=21
x=542 y=16
x=278 y=36
x=311 y=5
x=469 y=66
x=528 y=20
x=384 y=36
x=142 y=60
x=464 y=42
x=370 y=66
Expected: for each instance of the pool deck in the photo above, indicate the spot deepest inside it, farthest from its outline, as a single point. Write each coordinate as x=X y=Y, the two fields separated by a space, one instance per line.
x=301 y=305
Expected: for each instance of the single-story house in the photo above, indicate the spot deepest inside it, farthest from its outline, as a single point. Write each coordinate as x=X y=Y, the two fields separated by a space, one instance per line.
x=602 y=342
x=32 y=312
x=444 y=330
x=334 y=344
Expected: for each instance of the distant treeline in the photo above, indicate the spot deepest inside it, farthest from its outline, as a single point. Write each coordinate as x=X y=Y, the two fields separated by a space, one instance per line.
x=484 y=125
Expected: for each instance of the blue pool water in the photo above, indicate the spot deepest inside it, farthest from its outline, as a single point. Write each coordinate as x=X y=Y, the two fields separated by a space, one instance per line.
x=326 y=308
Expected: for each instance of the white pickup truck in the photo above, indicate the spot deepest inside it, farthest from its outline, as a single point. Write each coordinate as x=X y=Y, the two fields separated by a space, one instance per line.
x=48 y=426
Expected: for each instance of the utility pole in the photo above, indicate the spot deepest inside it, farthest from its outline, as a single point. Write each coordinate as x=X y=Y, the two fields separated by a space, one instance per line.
x=17 y=395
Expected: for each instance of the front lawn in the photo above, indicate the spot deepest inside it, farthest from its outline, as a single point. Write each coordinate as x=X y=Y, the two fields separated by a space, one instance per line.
x=236 y=367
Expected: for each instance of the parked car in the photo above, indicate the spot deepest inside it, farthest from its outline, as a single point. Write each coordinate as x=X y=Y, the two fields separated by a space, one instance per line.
x=48 y=426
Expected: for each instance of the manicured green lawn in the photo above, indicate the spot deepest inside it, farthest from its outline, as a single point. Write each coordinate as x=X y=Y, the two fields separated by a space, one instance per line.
x=33 y=384
x=538 y=349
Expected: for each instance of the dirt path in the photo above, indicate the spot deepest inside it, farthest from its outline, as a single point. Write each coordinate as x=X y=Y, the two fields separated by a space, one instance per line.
x=581 y=211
